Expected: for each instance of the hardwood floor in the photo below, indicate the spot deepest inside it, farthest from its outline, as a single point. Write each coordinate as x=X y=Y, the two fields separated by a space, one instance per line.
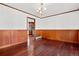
x=13 y=50
x=56 y=48
x=45 y=48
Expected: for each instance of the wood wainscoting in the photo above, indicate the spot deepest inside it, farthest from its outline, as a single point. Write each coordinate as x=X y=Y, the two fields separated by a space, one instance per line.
x=13 y=42
x=12 y=37
x=71 y=36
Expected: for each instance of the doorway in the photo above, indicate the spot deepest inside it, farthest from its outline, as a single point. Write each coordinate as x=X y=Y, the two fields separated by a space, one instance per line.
x=31 y=35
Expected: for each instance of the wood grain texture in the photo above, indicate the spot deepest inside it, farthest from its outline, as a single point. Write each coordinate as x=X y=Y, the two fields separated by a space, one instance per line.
x=39 y=32
x=67 y=35
x=56 y=48
x=43 y=48
x=61 y=35
x=13 y=50
x=12 y=37
x=78 y=37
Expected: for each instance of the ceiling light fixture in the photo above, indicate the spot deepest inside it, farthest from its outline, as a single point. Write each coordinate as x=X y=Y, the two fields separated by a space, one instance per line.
x=41 y=9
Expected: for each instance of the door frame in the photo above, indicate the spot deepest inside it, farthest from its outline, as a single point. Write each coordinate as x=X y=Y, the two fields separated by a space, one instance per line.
x=30 y=43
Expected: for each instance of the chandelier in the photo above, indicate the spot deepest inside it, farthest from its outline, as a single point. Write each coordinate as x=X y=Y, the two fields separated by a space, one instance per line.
x=41 y=9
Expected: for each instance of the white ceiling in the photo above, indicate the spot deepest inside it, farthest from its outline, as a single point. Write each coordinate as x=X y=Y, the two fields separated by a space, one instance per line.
x=52 y=8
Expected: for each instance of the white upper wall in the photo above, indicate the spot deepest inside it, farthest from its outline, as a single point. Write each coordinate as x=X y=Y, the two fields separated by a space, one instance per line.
x=64 y=21
x=12 y=19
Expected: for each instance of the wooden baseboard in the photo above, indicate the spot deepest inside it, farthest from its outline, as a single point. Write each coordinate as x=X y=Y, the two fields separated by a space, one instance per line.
x=60 y=41
x=10 y=45
x=12 y=49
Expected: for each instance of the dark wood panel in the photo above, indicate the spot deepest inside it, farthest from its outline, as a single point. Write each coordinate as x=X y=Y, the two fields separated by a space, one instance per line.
x=12 y=37
x=67 y=35
x=61 y=35
x=39 y=32
x=78 y=37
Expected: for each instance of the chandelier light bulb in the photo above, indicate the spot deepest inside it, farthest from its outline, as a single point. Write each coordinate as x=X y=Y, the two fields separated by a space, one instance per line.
x=45 y=8
x=37 y=10
x=40 y=12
